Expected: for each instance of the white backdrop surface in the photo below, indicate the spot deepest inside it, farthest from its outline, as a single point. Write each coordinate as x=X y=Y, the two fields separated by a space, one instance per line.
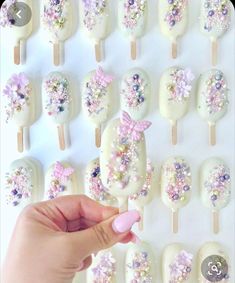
x=154 y=57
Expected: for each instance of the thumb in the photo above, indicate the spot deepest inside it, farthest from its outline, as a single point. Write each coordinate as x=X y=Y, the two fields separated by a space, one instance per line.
x=104 y=234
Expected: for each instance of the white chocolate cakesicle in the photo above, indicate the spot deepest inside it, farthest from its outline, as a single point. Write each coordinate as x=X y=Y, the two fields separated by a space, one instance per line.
x=173 y=17
x=215 y=186
x=132 y=15
x=103 y=268
x=16 y=34
x=215 y=20
x=123 y=158
x=57 y=20
x=177 y=264
x=145 y=195
x=175 y=186
x=60 y=180
x=23 y=182
x=93 y=185
x=174 y=95
x=94 y=17
x=140 y=264
x=96 y=96
x=58 y=102
x=214 y=264
x=20 y=105
x=135 y=93
x=212 y=99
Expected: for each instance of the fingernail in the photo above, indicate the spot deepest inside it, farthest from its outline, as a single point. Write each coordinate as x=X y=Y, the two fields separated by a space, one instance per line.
x=135 y=239
x=125 y=221
x=80 y=267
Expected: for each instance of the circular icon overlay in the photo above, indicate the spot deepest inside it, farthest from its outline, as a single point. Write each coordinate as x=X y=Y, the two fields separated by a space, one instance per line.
x=214 y=268
x=19 y=14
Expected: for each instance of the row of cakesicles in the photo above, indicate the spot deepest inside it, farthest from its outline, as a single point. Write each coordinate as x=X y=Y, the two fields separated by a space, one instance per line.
x=176 y=88
x=24 y=183
x=178 y=265
x=58 y=21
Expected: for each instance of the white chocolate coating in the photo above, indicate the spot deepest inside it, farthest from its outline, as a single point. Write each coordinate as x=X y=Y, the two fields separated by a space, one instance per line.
x=213 y=264
x=121 y=179
x=135 y=93
x=56 y=185
x=215 y=184
x=177 y=263
x=140 y=260
x=93 y=184
x=212 y=98
x=215 y=18
x=173 y=20
x=21 y=101
x=175 y=183
x=57 y=98
x=94 y=19
x=17 y=33
x=57 y=20
x=23 y=182
x=132 y=18
x=96 y=96
x=174 y=93
x=146 y=194
x=103 y=268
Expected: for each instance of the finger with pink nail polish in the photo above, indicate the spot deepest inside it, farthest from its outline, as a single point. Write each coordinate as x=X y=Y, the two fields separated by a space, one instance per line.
x=124 y=222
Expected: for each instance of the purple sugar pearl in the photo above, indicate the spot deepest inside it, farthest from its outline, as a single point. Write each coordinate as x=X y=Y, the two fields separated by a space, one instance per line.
x=131 y=2
x=225 y=12
x=226 y=177
x=177 y=166
x=14 y=192
x=136 y=264
x=175 y=197
x=172 y=23
x=15 y=203
x=175 y=12
x=186 y=188
x=19 y=196
x=170 y=1
x=188 y=269
x=135 y=87
x=218 y=85
x=211 y=13
x=62 y=188
x=221 y=178
x=213 y=197
x=144 y=254
x=136 y=77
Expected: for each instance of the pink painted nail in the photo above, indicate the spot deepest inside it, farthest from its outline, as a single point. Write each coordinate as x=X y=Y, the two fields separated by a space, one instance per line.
x=135 y=239
x=124 y=222
x=80 y=267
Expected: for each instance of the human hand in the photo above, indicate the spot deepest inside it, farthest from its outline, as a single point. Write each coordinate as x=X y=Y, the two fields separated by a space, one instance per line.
x=54 y=239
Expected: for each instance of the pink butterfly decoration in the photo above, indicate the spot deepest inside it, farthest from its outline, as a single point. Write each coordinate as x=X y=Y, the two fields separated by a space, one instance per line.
x=61 y=173
x=131 y=127
x=102 y=78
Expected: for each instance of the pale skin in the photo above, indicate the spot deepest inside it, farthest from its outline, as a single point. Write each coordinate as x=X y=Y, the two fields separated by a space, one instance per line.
x=53 y=240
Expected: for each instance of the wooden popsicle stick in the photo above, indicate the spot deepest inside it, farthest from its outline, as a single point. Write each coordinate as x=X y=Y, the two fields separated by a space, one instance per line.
x=17 y=54
x=214 y=52
x=212 y=134
x=123 y=205
x=216 y=222
x=98 y=51
x=61 y=137
x=133 y=50
x=98 y=137
x=175 y=221
x=56 y=53
x=174 y=50
x=174 y=132
x=141 y=223
x=26 y=138
x=20 y=138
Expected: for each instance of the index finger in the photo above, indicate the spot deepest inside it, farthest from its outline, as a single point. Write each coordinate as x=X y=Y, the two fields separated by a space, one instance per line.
x=77 y=206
